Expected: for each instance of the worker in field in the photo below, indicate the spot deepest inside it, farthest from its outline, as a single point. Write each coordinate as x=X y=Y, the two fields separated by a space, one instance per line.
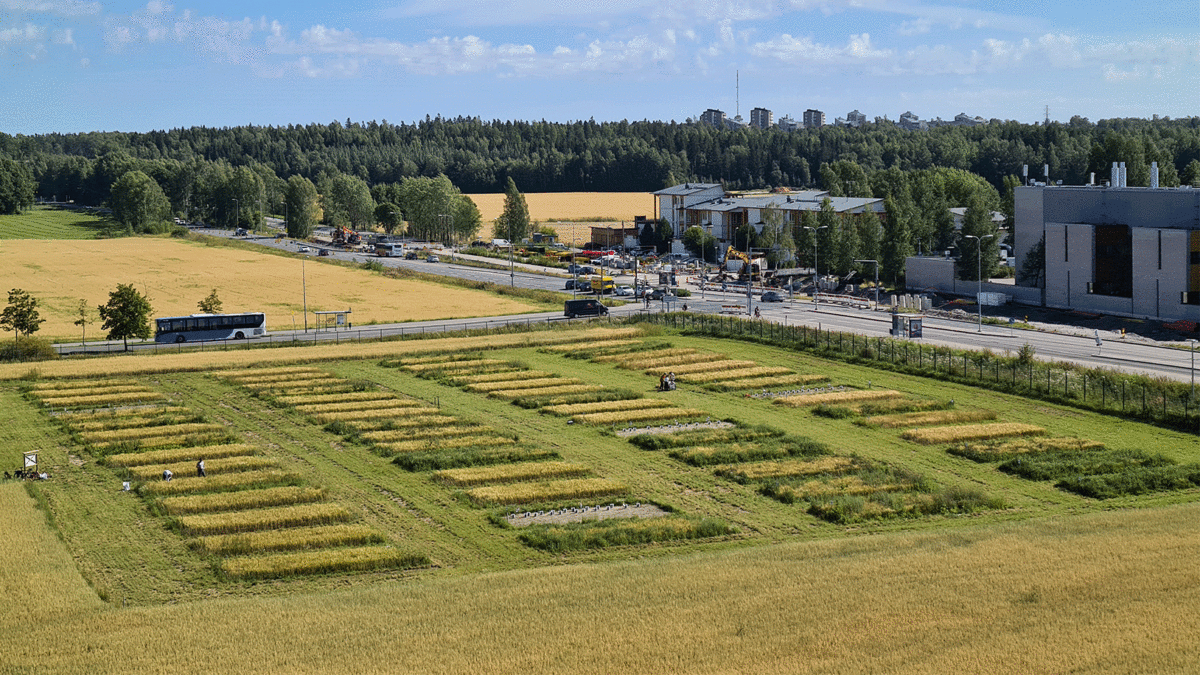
x=200 y=468
x=168 y=475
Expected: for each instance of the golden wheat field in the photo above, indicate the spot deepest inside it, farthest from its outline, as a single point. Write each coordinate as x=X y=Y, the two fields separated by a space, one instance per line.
x=177 y=274
x=549 y=207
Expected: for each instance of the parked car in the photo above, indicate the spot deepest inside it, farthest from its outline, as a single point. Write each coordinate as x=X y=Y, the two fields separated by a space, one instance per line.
x=304 y=249
x=571 y=285
x=411 y=255
x=432 y=258
x=323 y=252
x=623 y=291
x=772 y=296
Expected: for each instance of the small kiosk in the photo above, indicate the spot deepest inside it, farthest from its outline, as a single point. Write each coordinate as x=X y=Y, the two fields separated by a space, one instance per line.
x=907 y=325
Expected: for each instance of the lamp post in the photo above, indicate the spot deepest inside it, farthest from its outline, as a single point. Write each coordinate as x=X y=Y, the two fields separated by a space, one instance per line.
x=979 y=269
x=816 y=274
x=876 y=279
x=237 y=214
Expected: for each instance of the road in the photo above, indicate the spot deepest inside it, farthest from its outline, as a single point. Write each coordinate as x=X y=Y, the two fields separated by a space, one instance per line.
x=1141 y=357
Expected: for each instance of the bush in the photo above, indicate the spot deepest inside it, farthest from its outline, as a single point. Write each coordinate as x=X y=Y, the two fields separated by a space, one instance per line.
x=28 y=349
x=1137 y=481
x=683 y=293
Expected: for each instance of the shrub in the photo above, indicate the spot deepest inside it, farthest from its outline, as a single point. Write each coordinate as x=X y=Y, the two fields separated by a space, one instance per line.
x=28 y=348
x=834 y=412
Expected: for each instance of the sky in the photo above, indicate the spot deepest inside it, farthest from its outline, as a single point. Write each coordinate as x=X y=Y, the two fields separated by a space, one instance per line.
x=97 y=65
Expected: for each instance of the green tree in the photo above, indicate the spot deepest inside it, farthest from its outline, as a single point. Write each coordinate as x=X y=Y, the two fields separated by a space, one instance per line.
x=870 y=236
x=467 y=218
x=1033 y=267
x=977 y=222
x=211 y=304
x=21 y=314
x=1191 y=174
x=84 y=318
x=1008 y=204
x=126 y=314
x=897 y=242
x=780 y=245
x=303 y=207
x=139 y=203
x=17 y=187
x=700 y=243
x=514 y=219
x=434 y=206
x=389 y=216
x=243 y=196
x=347 y=202
x=664 y=234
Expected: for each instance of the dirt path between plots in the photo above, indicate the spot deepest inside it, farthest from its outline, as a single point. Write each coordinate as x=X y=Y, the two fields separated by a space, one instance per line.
x=578 y=515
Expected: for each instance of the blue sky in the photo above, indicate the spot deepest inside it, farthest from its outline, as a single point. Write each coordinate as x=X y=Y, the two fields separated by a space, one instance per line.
x=86 y=65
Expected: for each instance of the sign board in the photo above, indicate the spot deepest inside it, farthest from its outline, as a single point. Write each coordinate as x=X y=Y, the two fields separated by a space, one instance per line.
x=994 y=299
x=30 y=460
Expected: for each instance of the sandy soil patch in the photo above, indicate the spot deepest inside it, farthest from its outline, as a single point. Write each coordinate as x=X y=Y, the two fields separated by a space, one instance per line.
x=578 y=515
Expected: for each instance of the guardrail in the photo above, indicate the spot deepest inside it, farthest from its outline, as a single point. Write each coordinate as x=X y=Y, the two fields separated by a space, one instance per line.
x=733 y=309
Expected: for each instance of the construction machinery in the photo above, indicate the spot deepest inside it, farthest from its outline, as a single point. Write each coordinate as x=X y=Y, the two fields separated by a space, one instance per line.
x=742 y=265
x=344 y=236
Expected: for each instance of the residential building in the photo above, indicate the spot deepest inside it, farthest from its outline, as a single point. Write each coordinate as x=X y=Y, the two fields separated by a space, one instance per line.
x=786 y=123
x=911 y=122
x=671 y=203
x=714 y=118
x=965 y=120
x=760 y=118
x=855 y=119
x=813 y=119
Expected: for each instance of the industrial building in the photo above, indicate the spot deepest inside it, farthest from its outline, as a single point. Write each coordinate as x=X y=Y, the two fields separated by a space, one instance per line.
x=1114 y=249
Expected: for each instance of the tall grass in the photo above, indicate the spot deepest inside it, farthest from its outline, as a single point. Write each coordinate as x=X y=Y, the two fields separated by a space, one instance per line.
x=619 y=532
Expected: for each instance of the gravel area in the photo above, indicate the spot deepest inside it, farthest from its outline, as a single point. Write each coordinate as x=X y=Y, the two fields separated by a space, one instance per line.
x=672 y=428
x=578 y=515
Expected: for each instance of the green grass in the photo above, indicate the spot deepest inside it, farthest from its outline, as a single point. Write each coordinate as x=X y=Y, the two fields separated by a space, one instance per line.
x=129 y=554
x=46 y=222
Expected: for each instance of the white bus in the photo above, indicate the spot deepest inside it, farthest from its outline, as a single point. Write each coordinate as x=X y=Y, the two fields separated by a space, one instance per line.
x=200 y=327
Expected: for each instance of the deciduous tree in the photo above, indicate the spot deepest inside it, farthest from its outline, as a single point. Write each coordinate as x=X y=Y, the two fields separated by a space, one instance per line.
x=139 y=203
x=126 y=314
x=211 y=304
x=21 y=315
x=514 y=219
x=303 y=207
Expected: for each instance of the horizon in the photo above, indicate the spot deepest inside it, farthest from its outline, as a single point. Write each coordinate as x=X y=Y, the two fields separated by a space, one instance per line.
x=81 y=66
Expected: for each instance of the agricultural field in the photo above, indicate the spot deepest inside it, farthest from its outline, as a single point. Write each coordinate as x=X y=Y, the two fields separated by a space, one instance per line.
x=176 y=274
x=46 y=222
x=378 y=488
x=549 y=207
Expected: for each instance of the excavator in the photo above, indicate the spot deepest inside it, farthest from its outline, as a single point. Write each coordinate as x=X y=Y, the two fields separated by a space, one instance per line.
x=344 y=236
x=750 y=269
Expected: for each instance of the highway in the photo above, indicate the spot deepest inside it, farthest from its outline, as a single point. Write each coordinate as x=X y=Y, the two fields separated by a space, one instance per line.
x=1056 y=344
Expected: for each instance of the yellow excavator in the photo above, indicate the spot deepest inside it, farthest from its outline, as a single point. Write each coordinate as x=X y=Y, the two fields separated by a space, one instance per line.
x=750 y=269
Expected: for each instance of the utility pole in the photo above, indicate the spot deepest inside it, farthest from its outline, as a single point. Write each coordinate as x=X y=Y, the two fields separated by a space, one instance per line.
x=979 y=269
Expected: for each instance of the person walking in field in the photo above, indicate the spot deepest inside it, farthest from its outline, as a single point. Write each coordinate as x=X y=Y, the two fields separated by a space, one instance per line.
x=200 y=468
x=168 y=475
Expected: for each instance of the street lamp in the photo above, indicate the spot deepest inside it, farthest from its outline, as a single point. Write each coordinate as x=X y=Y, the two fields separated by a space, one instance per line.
x=979 y=268
x=876 y=279
x=237 y=214
x=816 y=274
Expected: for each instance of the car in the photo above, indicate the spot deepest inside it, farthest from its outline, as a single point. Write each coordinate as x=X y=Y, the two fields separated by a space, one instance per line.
x=571 y=285
x=574 y=308
x=304 y=249
x=432 y=258
x=654 y=293
x=623 y=291
x=323 y=252
x=410 y=255
x=772 y=296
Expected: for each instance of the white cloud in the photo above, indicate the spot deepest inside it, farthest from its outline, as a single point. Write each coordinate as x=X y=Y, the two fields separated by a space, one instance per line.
x=27 y=33
x=56 y=7
x=801 y=51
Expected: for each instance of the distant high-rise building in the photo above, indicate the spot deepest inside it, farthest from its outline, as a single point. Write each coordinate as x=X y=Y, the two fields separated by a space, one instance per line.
x=813 y=118
x=713 y=117
x=855 y=119
x=761 y=118
x=786 y=123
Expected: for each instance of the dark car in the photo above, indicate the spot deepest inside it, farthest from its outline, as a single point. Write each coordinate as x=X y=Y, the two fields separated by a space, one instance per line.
x=772 y=296
x=323 y=252
x=574 y=308
x=571 y=285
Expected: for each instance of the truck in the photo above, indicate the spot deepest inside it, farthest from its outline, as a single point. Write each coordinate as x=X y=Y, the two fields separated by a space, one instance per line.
x=602 y=285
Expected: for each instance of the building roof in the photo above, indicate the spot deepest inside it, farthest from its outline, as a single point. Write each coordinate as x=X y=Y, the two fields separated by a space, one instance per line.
x=687 y=189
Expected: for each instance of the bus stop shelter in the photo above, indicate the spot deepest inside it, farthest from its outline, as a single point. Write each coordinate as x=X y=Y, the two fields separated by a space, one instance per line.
x=333 y=319
x=907 y=325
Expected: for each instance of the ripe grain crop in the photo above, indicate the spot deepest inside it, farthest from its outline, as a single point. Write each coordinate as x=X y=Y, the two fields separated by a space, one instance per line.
x=301 y=383
x=279 y=370
x=393 y=435
x=166 y=441
x=134 y=433
x=461 y=380
x=758 y=471
x=73 y=385
x=549 y=491
x=535 y=383
x=375 y=413
x=971 y=432
x=995 y=451
x=852 y=396
x=316 y=562
x=633 y=416
x=766 y=382
x=738 y=374
x=173 y=455
x=316 y=399
x=669 y=361
x=72 y=416
x=607 y=406
x=703 y=367
x=241 y=500
x=380 y=424
x=230 y=481
x=447 y=357
x=272 y=518
x=253 y=378
x=342 y=406
x=434 y=444
x=455 y=365
x=592 y=347
x=657 y=353
x=552 y=208
x=134 y=421
x=927 y=418
x=511 y=394
x=197 y=361
x=214 y=467
x=527 y=471
x=98 y=400
x=290 y=539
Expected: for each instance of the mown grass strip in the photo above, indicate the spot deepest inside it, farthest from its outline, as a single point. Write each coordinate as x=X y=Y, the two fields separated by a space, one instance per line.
x=317 y=562
x=549 y=491
x=472 y=476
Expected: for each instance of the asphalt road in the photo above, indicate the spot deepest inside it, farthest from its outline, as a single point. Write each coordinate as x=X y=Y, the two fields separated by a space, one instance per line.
x=1130 y=356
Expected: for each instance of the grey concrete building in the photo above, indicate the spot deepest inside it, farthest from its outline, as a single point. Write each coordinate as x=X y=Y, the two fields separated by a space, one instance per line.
x=813 y=119
x=761 y=118
x=1114 y=250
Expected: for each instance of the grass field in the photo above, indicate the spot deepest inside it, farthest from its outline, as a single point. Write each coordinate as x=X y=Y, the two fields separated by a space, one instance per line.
x=44 y=222
x=1049 y=581
x=176 y=274
x=548 y=207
